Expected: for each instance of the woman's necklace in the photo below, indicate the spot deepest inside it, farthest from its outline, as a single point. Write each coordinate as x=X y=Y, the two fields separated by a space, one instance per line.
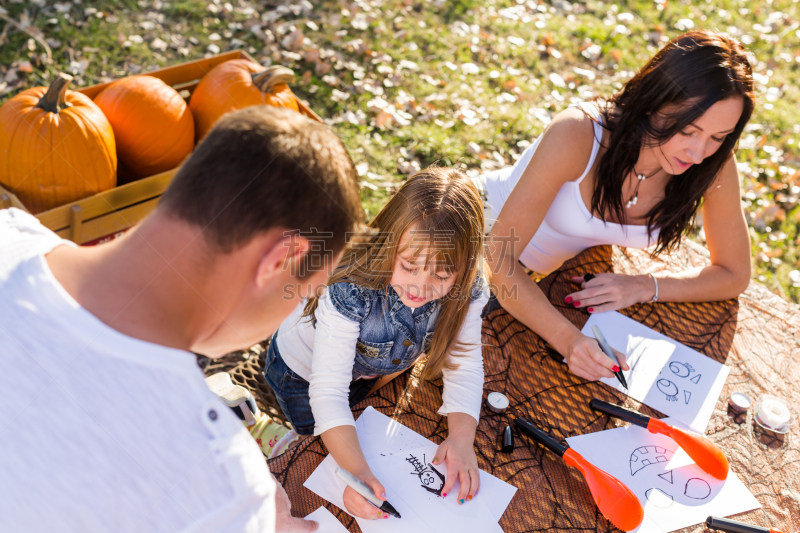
x=639 y=179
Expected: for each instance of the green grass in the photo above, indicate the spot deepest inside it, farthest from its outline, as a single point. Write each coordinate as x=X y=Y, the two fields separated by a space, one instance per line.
x=499 y=108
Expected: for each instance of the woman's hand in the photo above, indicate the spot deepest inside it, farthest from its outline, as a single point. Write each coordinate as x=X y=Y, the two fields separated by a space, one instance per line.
x=587 y=360
x=357 y=505
x=609 y=292
x=462 y=465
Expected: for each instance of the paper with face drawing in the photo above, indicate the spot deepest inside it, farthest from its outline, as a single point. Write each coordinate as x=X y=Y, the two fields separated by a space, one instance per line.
x=327 y=522
x=379 y=435
x=413 y=487
x=665 y=374
x=674 y=492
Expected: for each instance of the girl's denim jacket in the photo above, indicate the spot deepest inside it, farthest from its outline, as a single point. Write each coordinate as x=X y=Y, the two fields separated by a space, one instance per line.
x=392 y=335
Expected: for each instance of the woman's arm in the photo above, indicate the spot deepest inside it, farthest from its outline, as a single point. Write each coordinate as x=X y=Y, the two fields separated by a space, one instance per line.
x=562 y=156
x=727 y=277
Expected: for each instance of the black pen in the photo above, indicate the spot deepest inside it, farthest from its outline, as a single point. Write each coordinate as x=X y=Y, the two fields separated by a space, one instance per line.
x=601 y=340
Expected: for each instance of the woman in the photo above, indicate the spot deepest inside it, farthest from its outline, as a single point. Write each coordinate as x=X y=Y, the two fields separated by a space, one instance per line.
x=631 y=171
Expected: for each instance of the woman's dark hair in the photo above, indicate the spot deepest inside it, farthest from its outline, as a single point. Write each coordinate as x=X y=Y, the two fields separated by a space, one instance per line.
x=680 y=83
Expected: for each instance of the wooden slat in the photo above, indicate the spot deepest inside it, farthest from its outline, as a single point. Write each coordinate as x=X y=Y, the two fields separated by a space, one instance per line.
x=75 y=223
x=112 y=223
x=185 y=72
x=105 y=202
x=304 y=109
x=9 y=199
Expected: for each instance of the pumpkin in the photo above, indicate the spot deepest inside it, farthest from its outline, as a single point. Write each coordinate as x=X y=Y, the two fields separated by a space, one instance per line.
x=153 y=126
x=237 y=84
x=56 y=146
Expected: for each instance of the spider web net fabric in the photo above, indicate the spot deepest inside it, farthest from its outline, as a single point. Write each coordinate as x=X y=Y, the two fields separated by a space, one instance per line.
x=757 y=337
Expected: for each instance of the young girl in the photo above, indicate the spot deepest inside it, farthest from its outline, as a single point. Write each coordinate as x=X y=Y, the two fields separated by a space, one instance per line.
x=415 y=288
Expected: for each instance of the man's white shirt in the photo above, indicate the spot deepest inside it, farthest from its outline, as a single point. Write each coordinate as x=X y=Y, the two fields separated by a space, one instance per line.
x=101 y=432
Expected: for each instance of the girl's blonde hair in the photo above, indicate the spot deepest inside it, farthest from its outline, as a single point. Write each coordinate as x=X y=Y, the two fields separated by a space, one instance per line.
x=444 y=209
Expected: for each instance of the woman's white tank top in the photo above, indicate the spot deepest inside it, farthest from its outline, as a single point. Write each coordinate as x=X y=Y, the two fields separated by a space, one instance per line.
x=569 y=227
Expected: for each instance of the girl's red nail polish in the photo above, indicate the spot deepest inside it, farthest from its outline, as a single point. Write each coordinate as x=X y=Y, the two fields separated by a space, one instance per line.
x=576 y=304
x=568 y=299
x=444 y=495
x=591 y=309
x=615 y=368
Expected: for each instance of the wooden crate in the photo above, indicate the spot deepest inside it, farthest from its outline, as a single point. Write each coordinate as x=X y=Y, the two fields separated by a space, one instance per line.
x=107 y=213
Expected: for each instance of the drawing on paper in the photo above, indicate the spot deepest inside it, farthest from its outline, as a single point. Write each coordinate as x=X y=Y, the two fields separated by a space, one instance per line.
x=682 y=370
x=696 y=379
x=687 y=395
x=666 y=476
x=427 y=475
x=648 y=455
x=658 y=497
x=697 y=489
x=669 y=389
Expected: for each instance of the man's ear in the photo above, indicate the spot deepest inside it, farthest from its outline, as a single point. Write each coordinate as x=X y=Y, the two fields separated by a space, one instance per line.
x=281 y=254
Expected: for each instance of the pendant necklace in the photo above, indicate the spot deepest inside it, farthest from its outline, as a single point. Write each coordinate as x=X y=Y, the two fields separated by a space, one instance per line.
x=639 y=179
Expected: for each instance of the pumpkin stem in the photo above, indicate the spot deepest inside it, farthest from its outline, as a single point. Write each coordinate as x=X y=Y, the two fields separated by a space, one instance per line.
x=267 y=79
x=55 y=99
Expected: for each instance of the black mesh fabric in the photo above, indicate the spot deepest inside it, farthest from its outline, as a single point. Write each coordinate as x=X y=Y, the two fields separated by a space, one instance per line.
x=756 y=336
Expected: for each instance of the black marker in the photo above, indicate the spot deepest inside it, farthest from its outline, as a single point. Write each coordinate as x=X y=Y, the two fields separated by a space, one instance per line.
x=367 y=492
x=734 y=526
x=601 y=340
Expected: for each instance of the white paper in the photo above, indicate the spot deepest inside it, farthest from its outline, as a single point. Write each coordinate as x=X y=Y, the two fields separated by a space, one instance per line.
x=666 y=375
x=379 y=435
x=383 y=442
x=674 y=492
x=327 y=522
x=421 y=511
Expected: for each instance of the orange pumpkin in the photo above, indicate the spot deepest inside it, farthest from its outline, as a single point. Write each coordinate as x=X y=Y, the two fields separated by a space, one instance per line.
x=237 y=84
x=152 y=124
x=56 y=146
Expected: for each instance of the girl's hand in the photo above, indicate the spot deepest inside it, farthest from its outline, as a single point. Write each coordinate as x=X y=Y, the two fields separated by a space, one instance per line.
x=462 y=465
x=357 y=505
x=587 y=360
x=609 y=292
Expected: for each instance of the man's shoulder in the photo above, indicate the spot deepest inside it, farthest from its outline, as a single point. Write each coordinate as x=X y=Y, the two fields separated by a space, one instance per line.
x=22 y=236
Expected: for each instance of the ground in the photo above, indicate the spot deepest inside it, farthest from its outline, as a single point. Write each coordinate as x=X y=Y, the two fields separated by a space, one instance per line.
x=407 y=83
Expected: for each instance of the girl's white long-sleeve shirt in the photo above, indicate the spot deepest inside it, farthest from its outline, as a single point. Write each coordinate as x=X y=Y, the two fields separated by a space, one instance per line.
x=324 y=357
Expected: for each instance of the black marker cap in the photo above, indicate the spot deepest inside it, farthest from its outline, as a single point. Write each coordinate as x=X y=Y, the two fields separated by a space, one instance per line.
x=508 y=440
x=388 y=509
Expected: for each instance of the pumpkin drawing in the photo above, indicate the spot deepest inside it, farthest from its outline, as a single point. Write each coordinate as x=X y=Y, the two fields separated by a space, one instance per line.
x=153 y=126
x=237 y=84
x=56 y=146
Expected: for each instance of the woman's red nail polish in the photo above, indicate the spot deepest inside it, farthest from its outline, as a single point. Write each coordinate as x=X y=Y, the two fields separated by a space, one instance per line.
x=576 y=304
x=568 y=299
x=591 y=309
x=615 y=368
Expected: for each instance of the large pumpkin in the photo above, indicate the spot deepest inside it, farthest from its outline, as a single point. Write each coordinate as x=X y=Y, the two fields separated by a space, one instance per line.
x=56 y=146
x=153 y=126
x=237 y=84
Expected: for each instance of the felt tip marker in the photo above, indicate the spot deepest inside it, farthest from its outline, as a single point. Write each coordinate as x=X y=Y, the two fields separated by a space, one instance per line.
x=734 y=526
x=601 y=340
x=365 y=490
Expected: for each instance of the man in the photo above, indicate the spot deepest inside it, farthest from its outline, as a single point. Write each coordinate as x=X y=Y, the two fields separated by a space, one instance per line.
x=106 y=423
